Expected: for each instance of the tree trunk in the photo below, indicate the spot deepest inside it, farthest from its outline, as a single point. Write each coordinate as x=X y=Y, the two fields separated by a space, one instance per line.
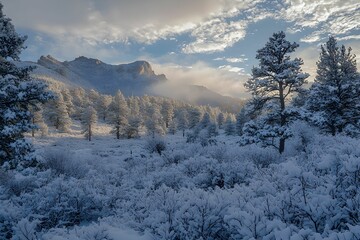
x=282 y=117
x=281 y=145
x=90 y=132
x=118 y=132
x=33 y=130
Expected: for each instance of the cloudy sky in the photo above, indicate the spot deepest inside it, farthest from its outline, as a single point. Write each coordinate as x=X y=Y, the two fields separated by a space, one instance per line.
x=206 y=42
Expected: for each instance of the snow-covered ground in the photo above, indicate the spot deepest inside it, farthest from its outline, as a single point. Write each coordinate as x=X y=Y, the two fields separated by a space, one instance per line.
x=122 y=189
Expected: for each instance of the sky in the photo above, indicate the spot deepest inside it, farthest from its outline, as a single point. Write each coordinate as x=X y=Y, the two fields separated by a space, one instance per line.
x=204 y=42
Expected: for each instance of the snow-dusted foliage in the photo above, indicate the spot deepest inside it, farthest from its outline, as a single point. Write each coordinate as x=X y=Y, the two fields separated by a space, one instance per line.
x=17 y=92
x=154 y=122
x=169 y=189
x=165 y=186
x=229 y=126
x=57 y=113
x=38 y=121
x=119 y=113
x=88 y=120
x=334 y=98
x=272 y=84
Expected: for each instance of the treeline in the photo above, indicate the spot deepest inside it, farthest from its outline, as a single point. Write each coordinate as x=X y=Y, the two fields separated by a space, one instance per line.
x=129 y=117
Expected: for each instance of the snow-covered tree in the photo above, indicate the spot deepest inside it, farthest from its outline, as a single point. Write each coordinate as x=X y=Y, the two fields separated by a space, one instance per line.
x=212 y=130
x=134 y=107
x=335 y=94
x=167 y=112
x=102 y=106
x=220 y=120
x=88 y=120
x=229 y=127
x=80 y=101
x=194 y=116
x=93 y=96
x=241 y=119
x=154 y=122
x=119 y=114
x=172 y=127
x=17 y=92
x=205 y=121
x=272 y=84
x=38 y=121
x=57 y=114
x=182 y=121
x=133 y=126
x=68 y=99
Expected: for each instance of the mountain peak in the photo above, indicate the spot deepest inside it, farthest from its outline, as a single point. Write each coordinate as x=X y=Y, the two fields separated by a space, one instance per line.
x=46 y=60
x=85 y=60
x=136 y=68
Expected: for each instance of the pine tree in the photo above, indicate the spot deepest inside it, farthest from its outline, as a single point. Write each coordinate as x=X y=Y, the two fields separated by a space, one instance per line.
x=229 y=127
x=212 y=130
x=205 y=121
x=57 y=114
x=220 y=120
x=167 y=112
x=134 y=107
x=182 y=121
x=17 y=92
x=88 y=120
x=154 y=121
x=133 y=126
x=38 y=121
x=335 y=95
x=119 y=114
x=80 y=101
x=241 y=119
x=194 y=117
x=102 y=106
x=68 y=99
x=272 y=84
x=173 y=127
x=93 y=97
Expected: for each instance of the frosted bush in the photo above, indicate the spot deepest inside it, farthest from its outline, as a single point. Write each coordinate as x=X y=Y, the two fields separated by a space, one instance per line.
x=63 y=163
x=155 y=145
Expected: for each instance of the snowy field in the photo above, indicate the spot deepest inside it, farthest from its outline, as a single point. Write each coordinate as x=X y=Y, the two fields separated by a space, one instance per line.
x=121 y=189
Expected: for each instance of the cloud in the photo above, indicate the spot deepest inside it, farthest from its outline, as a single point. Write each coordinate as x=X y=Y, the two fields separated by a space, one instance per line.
x=112 y=20
x=334 y=17
x=144 y=21
x=240 y=71
x=232 y=60
x=215 y=35
x=223 y=81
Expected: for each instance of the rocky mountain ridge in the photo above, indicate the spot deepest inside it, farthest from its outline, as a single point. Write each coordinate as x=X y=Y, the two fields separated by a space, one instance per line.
x=136 y=78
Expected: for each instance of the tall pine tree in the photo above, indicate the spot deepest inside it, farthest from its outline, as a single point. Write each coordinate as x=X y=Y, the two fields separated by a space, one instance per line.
x=17 y=92
x=334 y=98
x=88 y=120
x=272 y=84
x=119 y=114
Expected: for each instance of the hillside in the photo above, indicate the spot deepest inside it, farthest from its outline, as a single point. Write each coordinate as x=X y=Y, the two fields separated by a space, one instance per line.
x=133 y=79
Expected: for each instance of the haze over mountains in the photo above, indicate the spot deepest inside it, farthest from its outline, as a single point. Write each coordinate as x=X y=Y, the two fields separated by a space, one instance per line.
x=137 y=78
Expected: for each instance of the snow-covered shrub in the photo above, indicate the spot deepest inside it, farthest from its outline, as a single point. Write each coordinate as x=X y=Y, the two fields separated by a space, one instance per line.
x=261 y=157
x=201 y=215
x=303 y=135
x=63 y=163
x=16 y=183
x=155 y=145
x=25 y=230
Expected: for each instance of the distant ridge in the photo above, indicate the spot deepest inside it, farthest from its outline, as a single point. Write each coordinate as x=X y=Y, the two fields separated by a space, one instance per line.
x=136 y=78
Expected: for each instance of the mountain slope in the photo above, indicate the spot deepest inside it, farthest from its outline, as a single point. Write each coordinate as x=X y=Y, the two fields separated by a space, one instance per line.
x=135 y=78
